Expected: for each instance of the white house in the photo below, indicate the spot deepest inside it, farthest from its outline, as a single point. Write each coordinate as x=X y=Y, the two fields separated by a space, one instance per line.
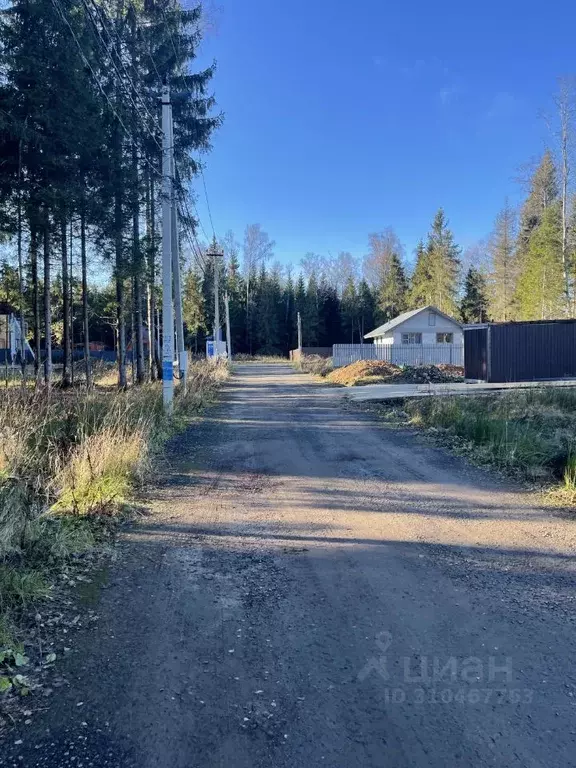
x=11 y=336
x=426 y=326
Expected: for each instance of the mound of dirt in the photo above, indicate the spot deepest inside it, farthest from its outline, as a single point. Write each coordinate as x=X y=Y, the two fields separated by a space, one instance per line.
x=372 y=370
x=381 y=372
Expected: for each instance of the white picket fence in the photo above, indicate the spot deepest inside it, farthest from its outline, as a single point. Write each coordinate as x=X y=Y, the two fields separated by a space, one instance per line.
x=399 y=354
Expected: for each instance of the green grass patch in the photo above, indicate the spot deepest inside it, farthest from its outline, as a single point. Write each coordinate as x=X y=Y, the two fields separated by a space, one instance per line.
x=531 y=432
x=69 y=462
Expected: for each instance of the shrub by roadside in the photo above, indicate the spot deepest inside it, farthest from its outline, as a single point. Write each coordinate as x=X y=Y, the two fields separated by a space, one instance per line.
x=316 y=365
x=69 y=463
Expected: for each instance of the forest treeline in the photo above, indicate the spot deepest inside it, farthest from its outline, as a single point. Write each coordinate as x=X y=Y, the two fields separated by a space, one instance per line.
x=525 y=270
x=80 y=208
x=80 y=177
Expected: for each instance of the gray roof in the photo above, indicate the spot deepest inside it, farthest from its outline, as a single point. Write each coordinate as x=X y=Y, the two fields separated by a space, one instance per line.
x=383 y=329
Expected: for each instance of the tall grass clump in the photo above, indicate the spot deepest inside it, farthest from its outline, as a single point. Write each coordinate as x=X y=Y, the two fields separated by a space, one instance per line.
x=533 y=431
x=68 y=457
x=316 y=365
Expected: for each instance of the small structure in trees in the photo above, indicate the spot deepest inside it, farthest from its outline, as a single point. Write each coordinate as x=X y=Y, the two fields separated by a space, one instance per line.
x=12 y=337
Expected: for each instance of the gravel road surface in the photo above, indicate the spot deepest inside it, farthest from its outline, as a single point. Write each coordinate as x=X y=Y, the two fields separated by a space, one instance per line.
x=314 y=589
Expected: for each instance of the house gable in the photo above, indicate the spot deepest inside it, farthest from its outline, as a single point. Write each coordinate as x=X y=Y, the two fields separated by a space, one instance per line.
x=427 y=320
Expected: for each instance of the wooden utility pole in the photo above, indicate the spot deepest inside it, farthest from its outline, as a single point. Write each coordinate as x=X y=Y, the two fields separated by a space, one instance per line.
x=167 y=309
x=228 y=336
x=215 y=255
x=180 y=346
x=216 y=301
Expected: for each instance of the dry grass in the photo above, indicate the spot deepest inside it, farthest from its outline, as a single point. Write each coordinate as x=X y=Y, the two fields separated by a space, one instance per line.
x=530 y=432
x=316 y=365
x=71 y=455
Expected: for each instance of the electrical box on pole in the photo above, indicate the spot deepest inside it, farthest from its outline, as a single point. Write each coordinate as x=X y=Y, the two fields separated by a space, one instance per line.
x=167 y=312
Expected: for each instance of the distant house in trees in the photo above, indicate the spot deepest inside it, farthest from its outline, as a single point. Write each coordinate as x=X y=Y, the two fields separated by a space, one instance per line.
x=424 y=326
x=11 y=336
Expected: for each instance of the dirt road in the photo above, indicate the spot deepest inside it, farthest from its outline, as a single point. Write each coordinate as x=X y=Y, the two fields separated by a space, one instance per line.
x=314 y=589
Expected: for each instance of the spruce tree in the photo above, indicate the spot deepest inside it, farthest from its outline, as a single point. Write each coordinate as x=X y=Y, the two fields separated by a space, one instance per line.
x=392 y=291
x=193 y=307
x=543 y=192
x=540 y=288
x=420 y=290
x=349 y=311
x=366 y=317
x=474 y=305
x=443 y=265
x=311 y=315
x=504 y=272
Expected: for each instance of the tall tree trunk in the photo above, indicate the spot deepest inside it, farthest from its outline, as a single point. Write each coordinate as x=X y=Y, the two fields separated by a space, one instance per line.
x=566 y=115
x=71 y=284
x=35 y=296
x=137 y=338
x=47 y=307
x=120 y=299
x=85 y=316
x=149 y=315
x=22 y=345
x=120 y=274
x=137 y=265
x=65 y=305
x=132 y=333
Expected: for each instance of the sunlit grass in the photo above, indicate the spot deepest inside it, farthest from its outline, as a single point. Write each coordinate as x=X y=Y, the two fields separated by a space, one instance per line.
x=532 y=430
x=70 y=457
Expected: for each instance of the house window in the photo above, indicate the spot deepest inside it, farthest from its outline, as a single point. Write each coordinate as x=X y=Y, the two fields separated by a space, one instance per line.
x=411 y=338
x=444 y=338
x=431 y=318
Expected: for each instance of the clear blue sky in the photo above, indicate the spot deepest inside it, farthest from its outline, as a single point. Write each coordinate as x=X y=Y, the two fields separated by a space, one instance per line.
x=343 y=118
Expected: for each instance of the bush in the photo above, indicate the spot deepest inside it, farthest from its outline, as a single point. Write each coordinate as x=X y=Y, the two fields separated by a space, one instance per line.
x=318 y=366
x=67 y=457
x=532 y=431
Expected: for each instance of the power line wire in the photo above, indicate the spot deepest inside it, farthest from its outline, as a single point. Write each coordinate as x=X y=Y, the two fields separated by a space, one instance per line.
x=118 y=58
x=178 y=56
x=207 y=201
x=58 y=9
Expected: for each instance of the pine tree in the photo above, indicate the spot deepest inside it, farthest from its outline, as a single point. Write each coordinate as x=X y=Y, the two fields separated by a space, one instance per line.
x=193 y=306
x=289 y=337
x=311 y=315
x=443 y=265
x=504 y=273
x=234 y=285
x=420 y=291
x=542 y=194
x=540 y=288
x=392 y=291
x=349 y=311
x=474 y=305
x=329 y=327
x=366 y=317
